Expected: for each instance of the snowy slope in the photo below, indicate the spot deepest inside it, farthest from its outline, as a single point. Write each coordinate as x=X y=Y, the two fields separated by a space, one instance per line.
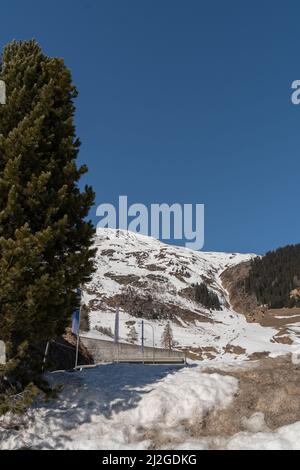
x=167 y=269
x=153 y=280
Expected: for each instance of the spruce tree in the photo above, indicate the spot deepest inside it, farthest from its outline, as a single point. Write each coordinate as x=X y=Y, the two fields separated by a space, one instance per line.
x=45 y=240
x=167 y=339
x=274 y=278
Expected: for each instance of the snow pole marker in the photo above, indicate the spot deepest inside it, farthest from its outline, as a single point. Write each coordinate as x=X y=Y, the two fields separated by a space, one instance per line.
x=77 y=350
x=143 y=338
x=76 y=326
x=117 y=330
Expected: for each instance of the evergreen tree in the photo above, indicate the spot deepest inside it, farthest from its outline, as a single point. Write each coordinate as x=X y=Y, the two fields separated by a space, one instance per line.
x=274 y=278
x=206 y=297
x=167 y=339
x=132 y=335
x=45 y=240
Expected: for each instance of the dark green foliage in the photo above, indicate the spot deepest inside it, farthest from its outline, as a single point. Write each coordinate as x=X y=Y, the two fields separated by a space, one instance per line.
x=206 y=297
x=273 y=277
x=17 y=401
x=45 y=241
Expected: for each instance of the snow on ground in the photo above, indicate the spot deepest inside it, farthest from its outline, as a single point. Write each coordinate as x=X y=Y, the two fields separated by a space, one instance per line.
x=120 y=407
x=137 y=407
x=228 y=328
x=257 y=436
x=284 y=438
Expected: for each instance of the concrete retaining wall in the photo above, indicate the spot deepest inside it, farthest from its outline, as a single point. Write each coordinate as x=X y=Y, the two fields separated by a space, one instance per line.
x=108 y=351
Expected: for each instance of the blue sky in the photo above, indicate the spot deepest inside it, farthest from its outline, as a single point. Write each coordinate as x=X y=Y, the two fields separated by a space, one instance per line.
x=184 y=101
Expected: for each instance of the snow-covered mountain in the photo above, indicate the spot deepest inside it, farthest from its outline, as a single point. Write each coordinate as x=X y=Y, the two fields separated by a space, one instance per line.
x=154 y=281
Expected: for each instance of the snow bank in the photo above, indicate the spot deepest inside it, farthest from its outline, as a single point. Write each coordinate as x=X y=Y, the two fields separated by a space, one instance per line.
x=257 y=437
x=284 y=438
x=184 y=397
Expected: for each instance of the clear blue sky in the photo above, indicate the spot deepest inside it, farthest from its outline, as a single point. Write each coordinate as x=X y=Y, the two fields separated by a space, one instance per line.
x=184 y=101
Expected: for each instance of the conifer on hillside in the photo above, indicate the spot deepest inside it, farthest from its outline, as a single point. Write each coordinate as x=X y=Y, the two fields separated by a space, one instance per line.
x=275 y=278
x=167 y=339
x=45 y=240
x=206 y=297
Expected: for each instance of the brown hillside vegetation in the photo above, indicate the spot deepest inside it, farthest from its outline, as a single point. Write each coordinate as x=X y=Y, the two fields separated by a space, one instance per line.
x=270 y=387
